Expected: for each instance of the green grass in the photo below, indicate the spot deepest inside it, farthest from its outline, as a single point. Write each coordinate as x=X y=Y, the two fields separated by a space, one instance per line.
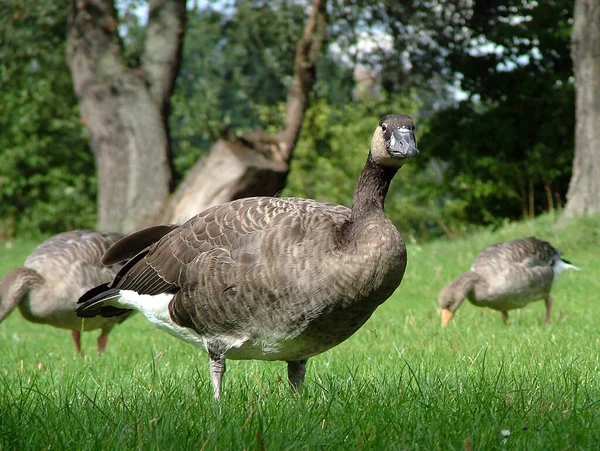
x=401 y=382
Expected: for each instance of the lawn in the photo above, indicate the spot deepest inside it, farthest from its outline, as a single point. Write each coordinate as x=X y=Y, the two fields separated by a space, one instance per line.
x=400 y=382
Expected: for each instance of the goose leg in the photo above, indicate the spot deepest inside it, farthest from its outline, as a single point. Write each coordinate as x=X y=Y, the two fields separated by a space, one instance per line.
x=217 y=369
x=548 y=309
x=296 y=372
x=102 y=340
x=505 y=318
x=77 y=340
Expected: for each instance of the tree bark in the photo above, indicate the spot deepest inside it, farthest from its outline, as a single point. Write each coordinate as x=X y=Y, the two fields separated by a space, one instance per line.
x=305 y=64
x=230 y=170
x=583 y=196
x=255 y=164
x=126 y=110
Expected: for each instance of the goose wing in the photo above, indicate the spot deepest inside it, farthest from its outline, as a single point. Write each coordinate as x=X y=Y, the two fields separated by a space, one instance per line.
x=70 y=264
x=75 y=247
x=231 y=264
x=526 y=252
x=519 y=269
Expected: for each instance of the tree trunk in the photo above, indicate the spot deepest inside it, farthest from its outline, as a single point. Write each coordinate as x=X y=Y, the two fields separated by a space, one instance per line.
x=583 y=196
x=230 y=170
x=255 y=164
x=125 y=110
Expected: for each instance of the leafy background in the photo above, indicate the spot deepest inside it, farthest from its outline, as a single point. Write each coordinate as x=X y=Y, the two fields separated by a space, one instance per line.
x=490 y=88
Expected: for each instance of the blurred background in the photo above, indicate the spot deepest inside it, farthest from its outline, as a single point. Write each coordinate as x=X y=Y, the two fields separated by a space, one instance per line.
x=118 y=114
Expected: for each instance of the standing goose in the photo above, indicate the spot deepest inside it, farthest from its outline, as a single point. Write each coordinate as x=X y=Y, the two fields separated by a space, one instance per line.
x=268 y=278
x=54 y=276
x=507 y=276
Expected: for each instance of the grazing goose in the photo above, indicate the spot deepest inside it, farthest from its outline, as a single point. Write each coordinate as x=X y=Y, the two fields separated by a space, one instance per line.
x=54 y=276
x=268 y=278
x=507 y=276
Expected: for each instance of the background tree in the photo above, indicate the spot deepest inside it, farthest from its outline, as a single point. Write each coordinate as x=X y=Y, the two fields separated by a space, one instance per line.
x=502 y=152
x=507 y=147
x=236 y=69
x=126 y=112
x=125 y=109
x=255 y=163
x=584 y=188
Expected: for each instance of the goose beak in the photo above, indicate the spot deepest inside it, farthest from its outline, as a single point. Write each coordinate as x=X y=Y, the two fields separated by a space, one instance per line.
x=446 y=317
x=403 y=143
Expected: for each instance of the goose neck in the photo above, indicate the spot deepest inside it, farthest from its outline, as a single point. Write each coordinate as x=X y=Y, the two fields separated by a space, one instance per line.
x=371 y=189
x=14 y=286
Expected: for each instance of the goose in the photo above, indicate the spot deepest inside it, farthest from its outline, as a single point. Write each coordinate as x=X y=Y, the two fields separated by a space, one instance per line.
x=267 y=278
x=54 y=276
x=507 y=276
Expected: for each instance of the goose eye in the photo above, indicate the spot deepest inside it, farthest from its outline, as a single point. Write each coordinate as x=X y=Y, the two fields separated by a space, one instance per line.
x=383 y=127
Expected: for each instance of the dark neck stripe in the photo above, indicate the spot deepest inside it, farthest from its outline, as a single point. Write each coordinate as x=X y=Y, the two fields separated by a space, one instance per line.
x=371 y=188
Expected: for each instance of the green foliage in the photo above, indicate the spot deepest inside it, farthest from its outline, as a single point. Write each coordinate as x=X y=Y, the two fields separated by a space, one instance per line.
x=401 y=382
x=513 y=47
x=503 y=162
x=233 y=63
x=132 y=31
x=504 y=153
x=509 y=148
x=236 y=69
x=47 y=181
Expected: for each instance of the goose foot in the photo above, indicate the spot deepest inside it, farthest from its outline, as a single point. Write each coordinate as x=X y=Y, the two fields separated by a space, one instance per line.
x=505 y=318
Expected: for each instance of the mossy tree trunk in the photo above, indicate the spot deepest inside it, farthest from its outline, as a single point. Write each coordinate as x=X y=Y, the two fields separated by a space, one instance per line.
x=583 y=196
x=126 y=109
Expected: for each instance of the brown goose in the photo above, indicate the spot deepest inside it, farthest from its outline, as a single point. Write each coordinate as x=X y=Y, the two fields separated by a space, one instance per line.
x=507 y=276
x=268 y=278
x=54 y=276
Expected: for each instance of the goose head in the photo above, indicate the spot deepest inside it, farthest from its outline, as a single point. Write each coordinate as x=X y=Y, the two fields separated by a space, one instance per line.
x=394 y=141
x=450 y=299
x=453 y=295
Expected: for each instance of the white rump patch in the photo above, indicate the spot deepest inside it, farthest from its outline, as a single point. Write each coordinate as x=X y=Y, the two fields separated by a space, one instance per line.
x=561 y=266
x=156 y=309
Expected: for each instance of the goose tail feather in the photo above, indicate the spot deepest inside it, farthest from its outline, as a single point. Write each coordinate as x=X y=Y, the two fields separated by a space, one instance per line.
x=561 y=265
x=93 y=302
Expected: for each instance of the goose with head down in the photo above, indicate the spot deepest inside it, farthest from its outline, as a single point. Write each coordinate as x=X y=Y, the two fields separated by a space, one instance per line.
x=268 y=278
x=507 y=276
x=54 y=276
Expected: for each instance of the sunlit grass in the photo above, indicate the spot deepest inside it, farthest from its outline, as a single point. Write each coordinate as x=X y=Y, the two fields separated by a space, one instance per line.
x=400 y=382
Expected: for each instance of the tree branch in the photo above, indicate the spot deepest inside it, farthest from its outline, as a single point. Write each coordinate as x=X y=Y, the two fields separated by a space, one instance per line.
x=162 y=48
x=93 y=48
x=307 y=56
